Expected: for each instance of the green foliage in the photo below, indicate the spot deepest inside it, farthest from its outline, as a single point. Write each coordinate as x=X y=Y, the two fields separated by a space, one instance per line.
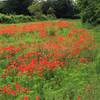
x=51 y=11
x=35 y=8
x=90 y=11
x=14 y=18
x=40 y=16
x=36 y=11
x=8 y=19
x=1 y=5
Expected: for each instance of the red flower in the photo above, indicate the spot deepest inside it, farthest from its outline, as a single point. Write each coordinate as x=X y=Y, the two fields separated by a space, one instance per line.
x=9 y=48
x=5 y=89
x=40 y=75
x=61 y=39
x=13 y=92
x=25 y=98
x=82 y=60
x=79 y=98
x=17 y=86
x=40 y=69
x=37 y=98
x=25 y=90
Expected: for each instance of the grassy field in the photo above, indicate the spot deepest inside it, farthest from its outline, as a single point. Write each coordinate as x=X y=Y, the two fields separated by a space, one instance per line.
x=59 y=60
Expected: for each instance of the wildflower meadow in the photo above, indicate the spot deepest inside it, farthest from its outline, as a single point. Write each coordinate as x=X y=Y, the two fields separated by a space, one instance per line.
x=49 y=49
x=52 y=60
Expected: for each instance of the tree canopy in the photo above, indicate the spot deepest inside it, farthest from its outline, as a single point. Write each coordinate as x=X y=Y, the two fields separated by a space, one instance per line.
x=61 y=8
x=90 y=11
x=16 y=6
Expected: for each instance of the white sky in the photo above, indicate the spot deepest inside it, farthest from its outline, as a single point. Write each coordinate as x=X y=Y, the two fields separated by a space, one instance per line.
x=5 y=0
x=2 y=0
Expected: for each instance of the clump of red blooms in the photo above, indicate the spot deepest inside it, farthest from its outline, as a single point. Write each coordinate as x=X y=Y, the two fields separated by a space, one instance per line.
x=37 y=98
x=18 y=89
x=24 y=98
x=39 y=26
x=59 y=51
x=27 y=98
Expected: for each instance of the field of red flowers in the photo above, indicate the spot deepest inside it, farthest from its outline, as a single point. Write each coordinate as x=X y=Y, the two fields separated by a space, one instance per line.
x=46 y=61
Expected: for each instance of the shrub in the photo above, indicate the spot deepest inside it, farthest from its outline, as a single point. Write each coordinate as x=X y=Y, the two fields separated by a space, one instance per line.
x=22 y=19
x=14 y=18
x=51 y=16
x=40 y=16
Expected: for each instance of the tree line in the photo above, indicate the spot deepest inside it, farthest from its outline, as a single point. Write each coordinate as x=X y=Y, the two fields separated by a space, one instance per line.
x=87 y=10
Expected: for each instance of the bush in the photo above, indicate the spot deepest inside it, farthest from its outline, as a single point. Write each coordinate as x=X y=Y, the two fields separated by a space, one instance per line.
x=14 y=18
x=51 y=17
x=8 y=19
x=40 y=16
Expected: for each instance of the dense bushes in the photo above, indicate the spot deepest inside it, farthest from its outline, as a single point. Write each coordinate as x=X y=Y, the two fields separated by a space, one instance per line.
x=22 y=18
x=14 y=18
x=90 y=11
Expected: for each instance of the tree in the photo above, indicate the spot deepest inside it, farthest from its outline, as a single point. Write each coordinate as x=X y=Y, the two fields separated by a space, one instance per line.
x=58 y=8
x=17 y=6
x=1 y=6
x=51 y=11
x=90 y=11
x=35 y=10
x=35 y=7
x=62 y=8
